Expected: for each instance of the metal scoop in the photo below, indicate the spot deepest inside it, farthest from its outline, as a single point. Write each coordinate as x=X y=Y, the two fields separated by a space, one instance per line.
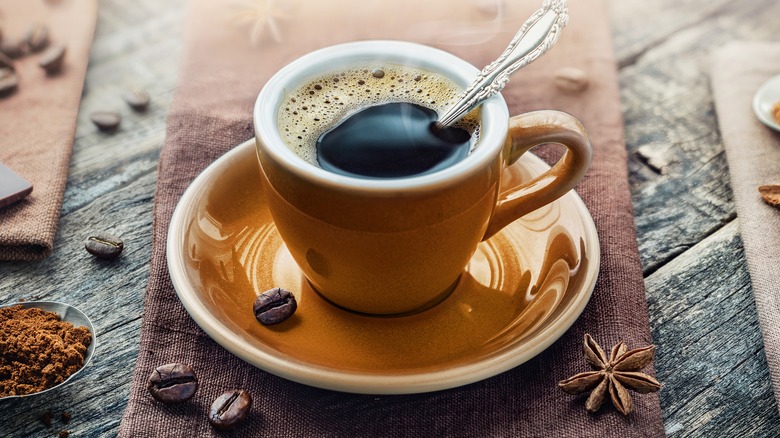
x=69 y=314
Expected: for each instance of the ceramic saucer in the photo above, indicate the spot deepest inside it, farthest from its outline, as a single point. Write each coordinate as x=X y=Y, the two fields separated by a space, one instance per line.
x=763 y=101
x=520 y=292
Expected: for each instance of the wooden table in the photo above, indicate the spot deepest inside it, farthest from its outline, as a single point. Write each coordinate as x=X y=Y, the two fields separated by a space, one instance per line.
x=710 y=352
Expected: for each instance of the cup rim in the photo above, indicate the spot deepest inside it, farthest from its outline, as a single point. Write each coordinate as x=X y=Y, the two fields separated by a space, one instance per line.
x=493 y=128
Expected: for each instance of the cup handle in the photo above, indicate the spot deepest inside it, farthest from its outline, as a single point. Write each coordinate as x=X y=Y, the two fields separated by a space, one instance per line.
x=527 y=131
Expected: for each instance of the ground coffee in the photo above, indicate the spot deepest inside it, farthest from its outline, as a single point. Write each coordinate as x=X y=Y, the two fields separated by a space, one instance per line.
x=38 y=350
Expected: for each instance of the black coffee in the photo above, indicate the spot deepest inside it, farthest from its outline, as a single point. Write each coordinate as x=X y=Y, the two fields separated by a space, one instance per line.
x=391 y=140
x=384 y=111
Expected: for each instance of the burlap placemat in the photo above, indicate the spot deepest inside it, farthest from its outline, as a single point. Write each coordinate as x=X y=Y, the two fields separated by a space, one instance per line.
x=37 y=122
x=753 y=154
x=221 y=75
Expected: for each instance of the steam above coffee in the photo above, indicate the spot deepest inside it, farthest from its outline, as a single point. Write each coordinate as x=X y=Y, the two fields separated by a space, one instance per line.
x=376 y=122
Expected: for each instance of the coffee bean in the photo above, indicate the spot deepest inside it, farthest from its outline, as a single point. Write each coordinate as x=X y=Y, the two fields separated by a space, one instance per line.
x=12 y=47
x=52 y=59
x=137 y=99
x=571 y=80
x=106 y=121
x=172 y=383
x=104 y=246
x=229 y=409
x=46 y=418
x=37 y=37
x=8 y=81
x=274 y=306
x=6 y=62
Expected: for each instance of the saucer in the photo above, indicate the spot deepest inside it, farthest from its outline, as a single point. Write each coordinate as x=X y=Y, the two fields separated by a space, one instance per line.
x=766 y=96
x=520 y=292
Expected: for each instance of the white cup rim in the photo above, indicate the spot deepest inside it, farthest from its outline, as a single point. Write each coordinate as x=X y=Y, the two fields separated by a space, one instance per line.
x=493 y=129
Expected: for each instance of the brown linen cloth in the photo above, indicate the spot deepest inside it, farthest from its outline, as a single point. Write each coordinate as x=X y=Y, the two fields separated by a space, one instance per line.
x=38 y=121
x=220 y=77
x=753 y=154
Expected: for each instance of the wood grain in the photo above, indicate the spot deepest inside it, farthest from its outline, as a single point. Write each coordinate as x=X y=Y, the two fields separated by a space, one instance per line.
x=701 y=305
x=678 y=170
x=111 y=185
x=710 y=356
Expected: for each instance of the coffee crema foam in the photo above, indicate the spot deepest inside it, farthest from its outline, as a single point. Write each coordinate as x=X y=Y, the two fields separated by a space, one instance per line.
x=322 y=103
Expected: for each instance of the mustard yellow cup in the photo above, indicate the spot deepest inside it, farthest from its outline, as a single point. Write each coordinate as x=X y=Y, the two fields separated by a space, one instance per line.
x=398 y=246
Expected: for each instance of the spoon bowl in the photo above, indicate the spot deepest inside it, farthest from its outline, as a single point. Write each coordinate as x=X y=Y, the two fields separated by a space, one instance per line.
x=69 y=314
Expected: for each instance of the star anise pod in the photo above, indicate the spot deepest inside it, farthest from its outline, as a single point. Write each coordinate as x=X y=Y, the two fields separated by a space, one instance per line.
x=613 y=375
x=261 y=16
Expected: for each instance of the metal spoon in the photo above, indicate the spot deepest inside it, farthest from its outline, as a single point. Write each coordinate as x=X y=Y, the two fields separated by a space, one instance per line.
x=69 y=314
x=534 y=38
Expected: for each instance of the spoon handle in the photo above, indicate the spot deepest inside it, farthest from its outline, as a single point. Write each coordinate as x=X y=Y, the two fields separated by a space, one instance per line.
x=534 y=38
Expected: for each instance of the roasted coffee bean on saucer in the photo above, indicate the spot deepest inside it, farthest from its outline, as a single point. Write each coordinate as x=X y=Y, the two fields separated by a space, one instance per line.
x=52 y=59
x=137 y=99
x=106 y=121
x=274 y=306
x=104 y=246
x=229 y=409
x=172 y=383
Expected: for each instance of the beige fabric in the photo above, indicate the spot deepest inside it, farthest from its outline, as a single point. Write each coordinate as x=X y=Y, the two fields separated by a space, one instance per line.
x=37 y=122
x=753 y=153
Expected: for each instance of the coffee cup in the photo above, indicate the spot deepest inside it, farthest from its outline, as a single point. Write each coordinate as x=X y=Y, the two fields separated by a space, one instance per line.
x=396 y=246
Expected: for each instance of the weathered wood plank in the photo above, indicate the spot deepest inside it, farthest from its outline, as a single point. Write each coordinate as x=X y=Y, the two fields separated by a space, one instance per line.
x=136 y=45
x=110 y=187
x=701 y=306
x=684 y=194
x=640 y=26
x=111 y=292
x=710 y=356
